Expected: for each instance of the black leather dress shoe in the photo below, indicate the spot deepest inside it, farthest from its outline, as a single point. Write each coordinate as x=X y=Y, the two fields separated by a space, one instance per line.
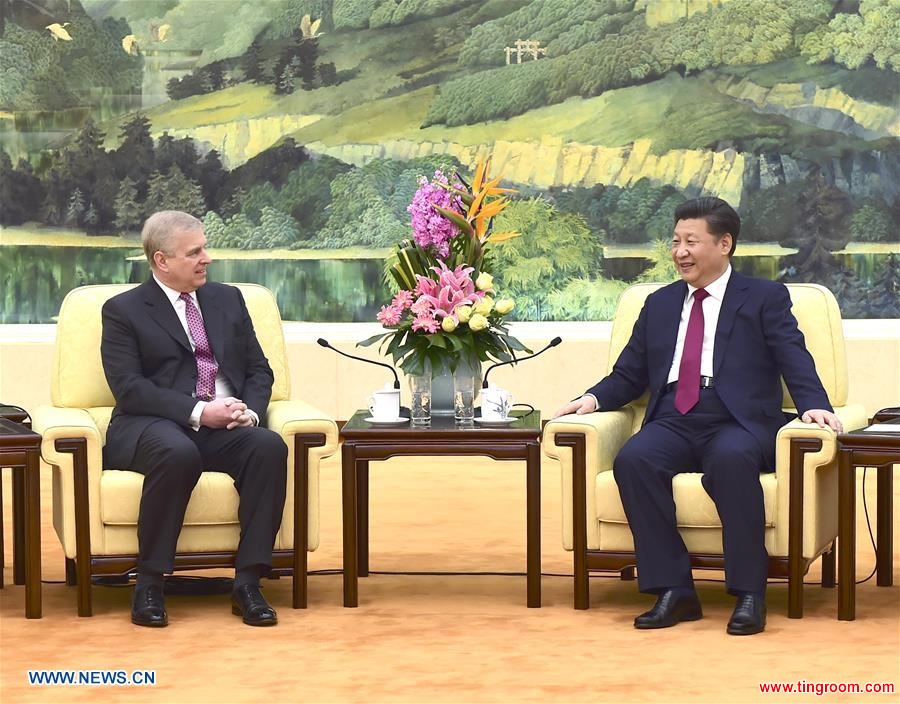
x=248 y=602
x=671 y=607
x=749 y=616
x=149 y=607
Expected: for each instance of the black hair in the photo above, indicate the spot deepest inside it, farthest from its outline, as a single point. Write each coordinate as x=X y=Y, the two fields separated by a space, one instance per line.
x=720 y=217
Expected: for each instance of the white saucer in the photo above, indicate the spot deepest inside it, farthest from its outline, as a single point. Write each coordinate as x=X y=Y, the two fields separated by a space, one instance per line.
x=388 y=421
x=495 y=421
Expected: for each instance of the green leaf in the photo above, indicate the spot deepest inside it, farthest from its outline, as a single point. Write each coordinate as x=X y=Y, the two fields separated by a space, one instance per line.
x=375 y=338
x=456 y=219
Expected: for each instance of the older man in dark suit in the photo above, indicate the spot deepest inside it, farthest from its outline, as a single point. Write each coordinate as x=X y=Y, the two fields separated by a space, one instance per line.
x=711 y=349
x=191 y=384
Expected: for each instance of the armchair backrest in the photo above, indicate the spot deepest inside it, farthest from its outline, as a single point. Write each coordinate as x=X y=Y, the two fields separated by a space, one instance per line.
x=77 y=378
x=818 y=317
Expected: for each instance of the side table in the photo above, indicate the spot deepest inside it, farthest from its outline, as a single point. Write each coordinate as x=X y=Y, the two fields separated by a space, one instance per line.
x=363 y=441
x=20 y=449
x=864 y=448
x=17 y=415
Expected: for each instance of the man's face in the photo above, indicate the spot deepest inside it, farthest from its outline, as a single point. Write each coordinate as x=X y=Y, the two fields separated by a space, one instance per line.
x=698 y=256
x=185 y=268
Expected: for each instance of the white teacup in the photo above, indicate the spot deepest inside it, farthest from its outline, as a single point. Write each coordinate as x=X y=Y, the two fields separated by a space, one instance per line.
x=496 y=403
x=384 y=404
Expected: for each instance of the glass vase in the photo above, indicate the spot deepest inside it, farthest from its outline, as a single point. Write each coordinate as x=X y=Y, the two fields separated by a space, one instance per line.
x=442 y=386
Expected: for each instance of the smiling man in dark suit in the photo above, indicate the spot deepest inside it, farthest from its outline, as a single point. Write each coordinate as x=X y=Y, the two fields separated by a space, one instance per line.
x=711 y=349
x=191 y=384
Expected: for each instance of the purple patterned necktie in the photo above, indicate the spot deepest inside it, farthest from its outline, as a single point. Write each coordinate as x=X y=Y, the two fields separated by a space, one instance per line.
x=687 y=392
x=206 y=362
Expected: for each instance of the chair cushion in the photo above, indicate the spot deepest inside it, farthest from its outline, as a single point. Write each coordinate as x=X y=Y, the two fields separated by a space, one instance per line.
x=693 y=507
x=213 y=502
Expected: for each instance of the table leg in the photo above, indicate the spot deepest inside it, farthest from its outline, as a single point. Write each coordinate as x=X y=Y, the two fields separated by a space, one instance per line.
x=18 y=510
x=349 y=501
x=885 y=518
x=33 y=534
x=533 y=522
x=846 y=537
x=362 y=516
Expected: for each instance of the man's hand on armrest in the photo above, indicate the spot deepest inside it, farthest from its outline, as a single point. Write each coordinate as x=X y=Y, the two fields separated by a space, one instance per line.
x=822 y=419
x=580 y=406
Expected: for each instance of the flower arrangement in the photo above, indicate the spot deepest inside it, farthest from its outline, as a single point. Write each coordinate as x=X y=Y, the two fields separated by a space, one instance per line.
x=446 y=311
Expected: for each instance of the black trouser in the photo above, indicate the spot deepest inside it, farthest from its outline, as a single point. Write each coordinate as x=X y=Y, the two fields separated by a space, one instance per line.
x=708 y=440
x=172 y=457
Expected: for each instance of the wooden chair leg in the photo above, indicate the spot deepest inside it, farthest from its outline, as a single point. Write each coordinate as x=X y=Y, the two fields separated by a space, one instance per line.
x=828 y=568
x=626 y=574
x=71 y=573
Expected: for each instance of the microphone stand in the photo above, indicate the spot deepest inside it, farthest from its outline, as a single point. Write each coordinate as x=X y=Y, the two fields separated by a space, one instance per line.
x=553 y=343
x=325 y=343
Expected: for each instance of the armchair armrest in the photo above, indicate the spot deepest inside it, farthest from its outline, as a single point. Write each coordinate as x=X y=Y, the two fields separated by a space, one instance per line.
x=852 y=417
x=603 y=436
x=65 y=431
x=55 y=423
x=310 y=437
x=806 y=471
x=294 y=417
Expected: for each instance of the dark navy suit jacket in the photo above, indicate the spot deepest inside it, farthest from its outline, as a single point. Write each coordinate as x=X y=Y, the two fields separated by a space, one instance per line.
x=757 y=342
x=151 y=369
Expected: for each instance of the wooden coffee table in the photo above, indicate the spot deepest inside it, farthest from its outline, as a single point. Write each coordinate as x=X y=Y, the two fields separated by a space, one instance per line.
x=363 y=442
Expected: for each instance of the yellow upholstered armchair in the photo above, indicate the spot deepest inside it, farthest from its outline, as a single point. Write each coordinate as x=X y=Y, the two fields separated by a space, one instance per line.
x=800 y=496
x=95 y=512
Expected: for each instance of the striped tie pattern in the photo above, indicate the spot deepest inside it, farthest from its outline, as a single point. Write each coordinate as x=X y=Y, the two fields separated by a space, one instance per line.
x=206 y=362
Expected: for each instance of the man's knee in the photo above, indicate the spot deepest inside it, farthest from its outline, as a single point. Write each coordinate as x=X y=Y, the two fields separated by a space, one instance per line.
x=738 y=459
x=631 y=464
x=270 y=451
x=177 y=455
x=271 y=443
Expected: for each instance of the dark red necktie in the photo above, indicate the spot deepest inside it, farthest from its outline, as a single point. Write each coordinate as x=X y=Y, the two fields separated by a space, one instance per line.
x=687 y=392
x=206 y=362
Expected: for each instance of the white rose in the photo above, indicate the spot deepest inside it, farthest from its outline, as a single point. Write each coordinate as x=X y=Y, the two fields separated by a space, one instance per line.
x=448 y=324
x=484 y=282
x=504 y=305
x=484 y=306
x=478 y=322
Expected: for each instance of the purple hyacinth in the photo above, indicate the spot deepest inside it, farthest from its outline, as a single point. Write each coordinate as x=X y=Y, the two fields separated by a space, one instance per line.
x=431 y=230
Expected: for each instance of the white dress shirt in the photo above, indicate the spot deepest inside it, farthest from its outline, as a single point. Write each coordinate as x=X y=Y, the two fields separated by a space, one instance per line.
x=712 y=305
x=223 y=388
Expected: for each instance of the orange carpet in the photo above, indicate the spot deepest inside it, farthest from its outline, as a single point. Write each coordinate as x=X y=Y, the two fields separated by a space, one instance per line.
x=448 y=638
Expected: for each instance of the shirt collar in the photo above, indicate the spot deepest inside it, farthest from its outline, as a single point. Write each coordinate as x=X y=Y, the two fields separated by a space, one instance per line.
x=171 y=293
x=717 y=288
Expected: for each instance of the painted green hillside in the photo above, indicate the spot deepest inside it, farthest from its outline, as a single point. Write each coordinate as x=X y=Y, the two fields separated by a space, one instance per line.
x=304 y=124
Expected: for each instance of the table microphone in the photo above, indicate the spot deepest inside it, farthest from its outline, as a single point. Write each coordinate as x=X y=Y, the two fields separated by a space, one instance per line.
x=553 y=343
x=325 y=343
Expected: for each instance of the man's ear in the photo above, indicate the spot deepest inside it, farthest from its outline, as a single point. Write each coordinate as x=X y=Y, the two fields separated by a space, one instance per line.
x=726 y=242
x=159 y=260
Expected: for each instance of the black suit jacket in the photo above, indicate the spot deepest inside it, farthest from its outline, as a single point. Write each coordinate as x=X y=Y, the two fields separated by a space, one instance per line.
x=757 y=342
x=150 y=367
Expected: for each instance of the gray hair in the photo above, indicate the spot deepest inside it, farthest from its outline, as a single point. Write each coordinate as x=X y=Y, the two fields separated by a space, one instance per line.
x=161 y=227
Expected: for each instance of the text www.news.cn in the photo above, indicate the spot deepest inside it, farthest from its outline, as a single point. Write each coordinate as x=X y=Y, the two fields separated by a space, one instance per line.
x=117 y=678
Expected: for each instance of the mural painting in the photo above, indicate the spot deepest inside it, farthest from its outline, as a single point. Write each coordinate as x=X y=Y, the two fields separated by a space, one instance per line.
x=298 y=130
